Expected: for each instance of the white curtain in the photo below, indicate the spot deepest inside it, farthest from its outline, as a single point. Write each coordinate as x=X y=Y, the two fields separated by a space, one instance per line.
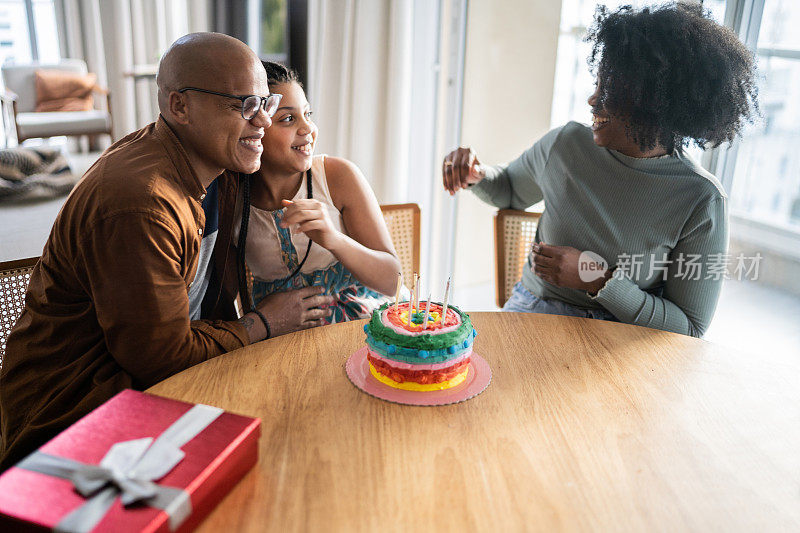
x=122 y=41
x=360 y=62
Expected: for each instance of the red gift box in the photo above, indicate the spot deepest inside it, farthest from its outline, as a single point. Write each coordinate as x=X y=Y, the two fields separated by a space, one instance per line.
x=213 y=461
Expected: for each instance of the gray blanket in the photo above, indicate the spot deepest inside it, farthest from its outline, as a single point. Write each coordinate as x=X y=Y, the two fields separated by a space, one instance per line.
x=40 y=170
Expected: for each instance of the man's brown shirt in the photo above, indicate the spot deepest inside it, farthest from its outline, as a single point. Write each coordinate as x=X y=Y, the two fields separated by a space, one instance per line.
x=107 y=305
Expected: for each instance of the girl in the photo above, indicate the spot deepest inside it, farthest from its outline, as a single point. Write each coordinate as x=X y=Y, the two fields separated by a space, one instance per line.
x=311 y=221
x=623 y=194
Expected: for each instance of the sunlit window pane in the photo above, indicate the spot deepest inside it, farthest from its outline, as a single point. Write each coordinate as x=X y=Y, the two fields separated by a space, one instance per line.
x=574 y=82
x=16 y=29
x=273 y=27
x=779 y=24
x=15 y=42
x=44 y=16
x=766 y=181
x=717 y=8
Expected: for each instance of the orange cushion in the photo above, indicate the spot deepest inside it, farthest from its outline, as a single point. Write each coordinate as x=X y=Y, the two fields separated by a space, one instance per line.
x=57 y=90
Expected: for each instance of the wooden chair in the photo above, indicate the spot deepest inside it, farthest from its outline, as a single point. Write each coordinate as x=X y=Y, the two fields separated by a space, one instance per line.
x=14 y=276
x=403 y=221
x=514 y=232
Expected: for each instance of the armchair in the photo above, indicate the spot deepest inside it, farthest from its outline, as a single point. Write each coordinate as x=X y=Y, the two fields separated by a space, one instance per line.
x=20 y=97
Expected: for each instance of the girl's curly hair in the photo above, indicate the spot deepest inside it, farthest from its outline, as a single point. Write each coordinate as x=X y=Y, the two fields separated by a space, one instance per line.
x=673 y=73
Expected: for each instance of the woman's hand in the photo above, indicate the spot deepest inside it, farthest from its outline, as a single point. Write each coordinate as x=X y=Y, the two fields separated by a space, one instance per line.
x=295 y=310
x=559 y=266
x=311 y=218
x=460 y=169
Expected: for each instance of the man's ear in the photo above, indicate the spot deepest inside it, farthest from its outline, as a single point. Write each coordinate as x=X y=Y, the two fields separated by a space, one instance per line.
x=179 y=107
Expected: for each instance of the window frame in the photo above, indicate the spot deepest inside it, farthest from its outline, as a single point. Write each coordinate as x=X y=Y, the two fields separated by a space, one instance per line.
x=32 y=30
x=744 y=18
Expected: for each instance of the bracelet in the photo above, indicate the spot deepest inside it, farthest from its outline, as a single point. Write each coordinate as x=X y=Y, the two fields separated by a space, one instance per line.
x=264 y=320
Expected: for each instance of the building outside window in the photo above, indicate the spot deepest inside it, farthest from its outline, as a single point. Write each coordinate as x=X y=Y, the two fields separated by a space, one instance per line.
x=765 y=184
x=28 y=31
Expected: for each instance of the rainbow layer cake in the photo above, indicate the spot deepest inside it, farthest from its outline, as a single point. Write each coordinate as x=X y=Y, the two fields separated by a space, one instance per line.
x=405 y=354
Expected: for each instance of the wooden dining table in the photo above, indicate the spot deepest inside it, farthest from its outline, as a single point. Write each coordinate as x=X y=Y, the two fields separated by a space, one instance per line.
x=586 y=425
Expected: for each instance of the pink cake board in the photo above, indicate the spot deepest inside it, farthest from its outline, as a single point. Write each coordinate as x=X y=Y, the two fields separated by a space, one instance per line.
x=477 y=380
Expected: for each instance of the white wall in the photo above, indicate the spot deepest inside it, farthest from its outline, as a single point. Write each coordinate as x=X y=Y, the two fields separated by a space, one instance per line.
x=508 y=91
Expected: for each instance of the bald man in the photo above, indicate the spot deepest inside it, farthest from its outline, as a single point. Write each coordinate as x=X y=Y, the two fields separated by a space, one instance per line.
x=125 y=275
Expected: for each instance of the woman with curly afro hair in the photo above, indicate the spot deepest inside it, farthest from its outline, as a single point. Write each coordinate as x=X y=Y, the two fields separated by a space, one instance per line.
x=633 y=229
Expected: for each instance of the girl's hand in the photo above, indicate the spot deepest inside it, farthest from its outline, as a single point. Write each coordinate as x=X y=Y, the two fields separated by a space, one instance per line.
x=558 y=265
x=311 y=218
x=460 y=169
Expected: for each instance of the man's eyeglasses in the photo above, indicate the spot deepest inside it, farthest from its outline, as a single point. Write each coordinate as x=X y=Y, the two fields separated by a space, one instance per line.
x=250 y=104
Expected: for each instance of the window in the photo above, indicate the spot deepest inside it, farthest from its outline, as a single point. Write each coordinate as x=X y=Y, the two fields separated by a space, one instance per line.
x=765 y=174
x=28 y=31
x=277 y=31
x=273 y=40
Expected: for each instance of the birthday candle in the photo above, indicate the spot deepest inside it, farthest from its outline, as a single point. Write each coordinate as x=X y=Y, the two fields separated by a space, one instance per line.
x=397 y=292
x=427 y=313
x=444 y=305
x=415 y=291
x=418 y=285
x=410 y=308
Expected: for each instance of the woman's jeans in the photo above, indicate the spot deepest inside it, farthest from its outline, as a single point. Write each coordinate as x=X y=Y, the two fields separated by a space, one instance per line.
x=522 y=301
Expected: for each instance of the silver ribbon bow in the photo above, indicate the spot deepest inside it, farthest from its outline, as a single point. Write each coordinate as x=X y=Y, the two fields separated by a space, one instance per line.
x=128 y=470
